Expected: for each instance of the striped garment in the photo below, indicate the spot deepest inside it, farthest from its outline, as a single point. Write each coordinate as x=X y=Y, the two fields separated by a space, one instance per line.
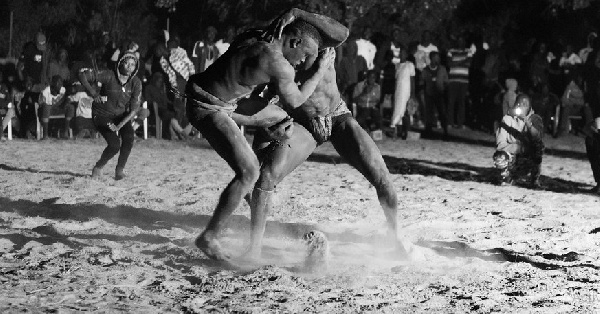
x=460 y=60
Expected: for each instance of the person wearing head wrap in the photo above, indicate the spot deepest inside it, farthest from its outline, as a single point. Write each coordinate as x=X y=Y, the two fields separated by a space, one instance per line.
x=116 y=103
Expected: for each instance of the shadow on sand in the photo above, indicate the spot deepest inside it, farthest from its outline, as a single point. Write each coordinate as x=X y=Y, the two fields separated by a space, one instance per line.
x=455 y=171
x=31 y=170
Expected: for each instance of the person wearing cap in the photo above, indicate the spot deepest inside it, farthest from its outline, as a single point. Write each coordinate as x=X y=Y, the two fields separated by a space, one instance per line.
x=519 y=143
x=116 y=104
x=33 y=62
x=592 y=148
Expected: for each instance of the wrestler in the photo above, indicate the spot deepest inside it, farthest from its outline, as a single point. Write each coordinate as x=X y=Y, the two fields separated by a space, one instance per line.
x=323 y=117
x=214 y=94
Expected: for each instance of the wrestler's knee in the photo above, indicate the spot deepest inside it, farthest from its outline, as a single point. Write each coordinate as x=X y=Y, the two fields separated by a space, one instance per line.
x=249 y=172
x=269 y=177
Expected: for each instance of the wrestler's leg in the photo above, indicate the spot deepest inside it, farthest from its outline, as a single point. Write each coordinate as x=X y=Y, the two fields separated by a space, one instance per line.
x=357 y=148
x=228 y=141
x=276 y=165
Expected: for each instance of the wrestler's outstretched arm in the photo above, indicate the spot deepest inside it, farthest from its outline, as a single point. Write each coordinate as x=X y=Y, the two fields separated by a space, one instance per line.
x=333 y=31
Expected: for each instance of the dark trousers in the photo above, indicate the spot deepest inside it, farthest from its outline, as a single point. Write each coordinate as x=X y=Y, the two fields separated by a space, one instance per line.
x=455 y=107
x=121 y=142
x=574 y=110
x=592 y=147
x=368 y=118
x=435 y=102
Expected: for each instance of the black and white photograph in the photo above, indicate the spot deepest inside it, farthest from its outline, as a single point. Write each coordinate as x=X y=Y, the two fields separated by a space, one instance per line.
x=300 y=156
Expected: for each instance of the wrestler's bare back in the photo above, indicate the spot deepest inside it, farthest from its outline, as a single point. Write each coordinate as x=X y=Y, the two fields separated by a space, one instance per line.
x=241 y=69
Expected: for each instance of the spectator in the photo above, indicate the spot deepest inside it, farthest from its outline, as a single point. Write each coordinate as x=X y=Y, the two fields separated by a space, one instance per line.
x=223 y=43
x=459 y=59
x=569 y=59
x=366 y=48
x=117 y=103
x=424 y=50
x=205 y=51
x=510 y=96
x=178 y=68
x=435 y=81
x=83 y=115
x=573 y=102
x=351 y=69
x=7 y=110
x=51 y=102
x=156 y=96
x=405 y=90
x=519 y=144
x=544 y=102
x=33 y=62
x=539 y=66
x=28 y=109
x=60 y=66
x=585 y=51
x=366 y=95
x=592 y=147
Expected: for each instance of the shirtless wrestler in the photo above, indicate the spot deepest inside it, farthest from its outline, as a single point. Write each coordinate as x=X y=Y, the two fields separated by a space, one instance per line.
x=213 y=96
x=323 y=117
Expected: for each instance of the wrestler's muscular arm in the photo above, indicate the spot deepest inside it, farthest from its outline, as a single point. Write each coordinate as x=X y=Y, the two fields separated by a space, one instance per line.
x=334 y=32
x=283 y=77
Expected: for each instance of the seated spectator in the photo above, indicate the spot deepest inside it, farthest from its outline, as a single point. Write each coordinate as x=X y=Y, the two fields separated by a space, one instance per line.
x=83 y=114
x=7 y=111
x=27 y=110
x=573 y=103
x=592 y=147
x=366 y=95
x=156 y=95
x=52 y=102
x=519 y=143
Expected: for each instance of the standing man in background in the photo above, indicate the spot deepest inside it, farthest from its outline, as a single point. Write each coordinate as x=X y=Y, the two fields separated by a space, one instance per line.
x=205 y=51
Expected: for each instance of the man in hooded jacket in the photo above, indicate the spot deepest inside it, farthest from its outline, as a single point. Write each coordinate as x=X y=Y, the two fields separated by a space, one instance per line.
x=116 y=102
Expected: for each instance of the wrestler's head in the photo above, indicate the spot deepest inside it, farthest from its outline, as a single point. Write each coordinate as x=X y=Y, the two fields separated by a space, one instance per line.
x=301 y=42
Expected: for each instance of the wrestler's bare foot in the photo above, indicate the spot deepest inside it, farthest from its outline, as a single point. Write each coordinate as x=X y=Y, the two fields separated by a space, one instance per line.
x=211 y=247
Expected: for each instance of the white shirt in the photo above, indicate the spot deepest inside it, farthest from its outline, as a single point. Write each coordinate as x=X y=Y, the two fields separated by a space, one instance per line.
x=49 y=99
x=367 y=50
x=422 y=55
x=84 y=104
x=222 y=46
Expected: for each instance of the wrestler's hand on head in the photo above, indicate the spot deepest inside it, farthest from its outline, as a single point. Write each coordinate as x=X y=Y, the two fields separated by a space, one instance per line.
x=326 y=59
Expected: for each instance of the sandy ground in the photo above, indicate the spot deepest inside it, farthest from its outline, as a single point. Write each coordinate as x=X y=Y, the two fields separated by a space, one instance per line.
x=69 y=243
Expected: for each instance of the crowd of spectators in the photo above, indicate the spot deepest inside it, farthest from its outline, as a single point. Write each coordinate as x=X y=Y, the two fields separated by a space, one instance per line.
x=391 y=82
x=465 y=81
x=44 y=83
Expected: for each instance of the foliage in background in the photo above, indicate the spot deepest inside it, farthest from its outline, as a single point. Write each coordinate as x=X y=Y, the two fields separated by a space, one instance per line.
x=70 y=22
